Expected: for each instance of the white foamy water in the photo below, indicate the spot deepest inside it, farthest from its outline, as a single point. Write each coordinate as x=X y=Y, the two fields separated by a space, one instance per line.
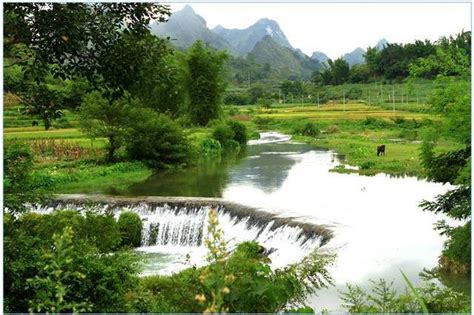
x=270 y=137
x=182 y=231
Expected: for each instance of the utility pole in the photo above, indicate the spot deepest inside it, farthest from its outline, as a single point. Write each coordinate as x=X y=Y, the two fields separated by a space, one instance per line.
x=393 y=98
x=344 y=99
x=318 y=99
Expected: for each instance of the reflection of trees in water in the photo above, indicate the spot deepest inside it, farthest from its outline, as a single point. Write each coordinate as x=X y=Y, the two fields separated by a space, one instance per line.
x=207 y=180
x=268 y=171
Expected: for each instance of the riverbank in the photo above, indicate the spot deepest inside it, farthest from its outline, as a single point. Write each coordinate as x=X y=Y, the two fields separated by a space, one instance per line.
x=354 y=130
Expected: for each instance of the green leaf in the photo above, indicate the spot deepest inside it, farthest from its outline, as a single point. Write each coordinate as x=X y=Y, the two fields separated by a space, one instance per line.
x=415 y=293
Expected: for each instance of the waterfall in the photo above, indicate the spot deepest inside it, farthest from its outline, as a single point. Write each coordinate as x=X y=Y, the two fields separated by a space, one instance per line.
x=179 y=225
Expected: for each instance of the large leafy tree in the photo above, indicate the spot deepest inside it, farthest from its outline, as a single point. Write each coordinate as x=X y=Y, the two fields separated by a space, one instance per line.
x=206 y=83
x=105 y=43
x=78 y=38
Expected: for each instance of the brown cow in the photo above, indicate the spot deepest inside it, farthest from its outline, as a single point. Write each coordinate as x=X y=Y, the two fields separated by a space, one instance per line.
x=381 y=150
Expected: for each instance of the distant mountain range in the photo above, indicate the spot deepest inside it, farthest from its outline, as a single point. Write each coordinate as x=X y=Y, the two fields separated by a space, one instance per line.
x=263 y=42
x=243 y=41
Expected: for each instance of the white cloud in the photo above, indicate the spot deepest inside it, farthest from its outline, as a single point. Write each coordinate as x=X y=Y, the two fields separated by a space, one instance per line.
x=337 y=28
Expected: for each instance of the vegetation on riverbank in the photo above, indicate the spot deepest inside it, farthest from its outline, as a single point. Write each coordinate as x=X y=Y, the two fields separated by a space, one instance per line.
x=131 y=104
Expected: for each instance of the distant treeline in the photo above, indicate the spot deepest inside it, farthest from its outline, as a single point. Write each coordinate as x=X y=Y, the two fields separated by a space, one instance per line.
x=396 y=62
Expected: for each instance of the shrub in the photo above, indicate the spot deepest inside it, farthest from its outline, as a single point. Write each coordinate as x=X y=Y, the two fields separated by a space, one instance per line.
x=308 y=129
x=354 y=94
x=18 y=186
x=367 y=165
x=130 y=226
x=210 y=148
x=65 y=271
x=101 y=230
x=156 y=140
x=236 y=98
x=262 y=122
x=223 y=133
x=234 y=282
x=375 y=122
x=385 y=299
x=231 y=135
x=240 y=132
x=264 y=102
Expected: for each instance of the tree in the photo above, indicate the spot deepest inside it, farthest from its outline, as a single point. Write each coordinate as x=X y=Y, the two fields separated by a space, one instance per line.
x=359 y=73
x=452 y=100
x=452 y=57
x=156 y=139
x=161 y=84
x=109 y=119
x=41 y=102
x=78 y=38
x=340 y=71
x=19 y=189
x=206 y=84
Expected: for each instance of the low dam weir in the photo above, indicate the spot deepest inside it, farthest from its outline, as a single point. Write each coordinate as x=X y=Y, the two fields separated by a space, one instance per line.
x=180 y=223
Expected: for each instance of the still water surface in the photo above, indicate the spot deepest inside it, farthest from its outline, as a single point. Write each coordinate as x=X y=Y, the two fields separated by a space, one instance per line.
x=378 y=227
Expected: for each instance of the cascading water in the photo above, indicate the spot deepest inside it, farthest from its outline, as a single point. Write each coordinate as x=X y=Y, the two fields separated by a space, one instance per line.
x=179 y=229
x=270 y=137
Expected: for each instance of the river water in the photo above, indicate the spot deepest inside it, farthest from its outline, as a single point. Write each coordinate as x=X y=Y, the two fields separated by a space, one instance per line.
x=378 y=227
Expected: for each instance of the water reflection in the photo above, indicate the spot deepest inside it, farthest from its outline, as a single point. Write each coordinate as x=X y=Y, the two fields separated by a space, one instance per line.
x=264 y=166
x=207 y=180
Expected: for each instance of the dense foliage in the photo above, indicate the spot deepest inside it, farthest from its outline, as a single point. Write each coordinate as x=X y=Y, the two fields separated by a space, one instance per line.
x=130 y=227
x=206 y=83
x=383 y=298
x=64 y=262
x=231 y=134
x=156 y=140
x=453 y=102
x=18 y=185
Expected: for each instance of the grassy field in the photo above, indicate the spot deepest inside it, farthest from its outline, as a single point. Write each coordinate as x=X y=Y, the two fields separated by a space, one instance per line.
x=354 y=130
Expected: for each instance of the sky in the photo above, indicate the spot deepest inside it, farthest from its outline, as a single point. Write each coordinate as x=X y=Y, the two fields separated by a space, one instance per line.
x=338 y=28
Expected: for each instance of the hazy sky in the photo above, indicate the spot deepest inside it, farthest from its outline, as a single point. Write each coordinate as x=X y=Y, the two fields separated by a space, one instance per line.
x=337 y=28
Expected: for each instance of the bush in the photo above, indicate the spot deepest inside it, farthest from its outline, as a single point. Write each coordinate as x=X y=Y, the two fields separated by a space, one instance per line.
x=231 y=135
x=210 y=148
x=385 y=299
x=354 y=94
x=235 y=282
x=262 y=122
x=376 y=122
x=308 y=129
x=66 y=271
x=240 y=132
x=237 y=98
x=223 y=133
x=367 y=165
x=130 y=226
x=264 y=102
x=18 y=186
x=156 y=140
